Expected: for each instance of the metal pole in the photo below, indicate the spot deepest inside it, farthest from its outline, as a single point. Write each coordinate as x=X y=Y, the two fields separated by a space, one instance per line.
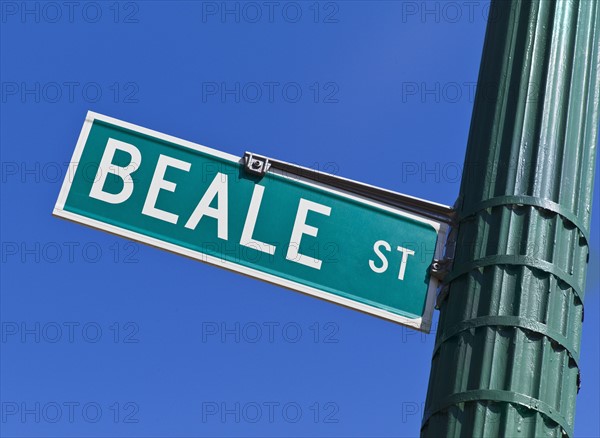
x=505 y=362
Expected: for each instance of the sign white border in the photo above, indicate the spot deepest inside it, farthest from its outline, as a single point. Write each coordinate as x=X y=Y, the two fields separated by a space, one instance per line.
x=423 y=323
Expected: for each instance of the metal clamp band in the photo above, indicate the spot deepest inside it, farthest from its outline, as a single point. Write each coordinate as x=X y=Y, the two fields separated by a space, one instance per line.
x=546 y=204
x=517 y=260
x=496 y=395
x=510 y=321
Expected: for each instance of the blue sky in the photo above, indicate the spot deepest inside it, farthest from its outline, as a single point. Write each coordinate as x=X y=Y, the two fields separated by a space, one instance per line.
x=113 y=338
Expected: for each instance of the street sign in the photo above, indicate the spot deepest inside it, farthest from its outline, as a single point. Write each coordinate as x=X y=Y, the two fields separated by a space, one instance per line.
x=262 y=221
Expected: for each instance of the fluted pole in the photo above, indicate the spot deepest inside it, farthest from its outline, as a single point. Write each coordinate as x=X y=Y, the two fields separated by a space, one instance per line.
x=506 y=357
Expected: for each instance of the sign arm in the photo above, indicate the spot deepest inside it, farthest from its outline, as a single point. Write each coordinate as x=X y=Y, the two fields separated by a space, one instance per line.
x=259 y=165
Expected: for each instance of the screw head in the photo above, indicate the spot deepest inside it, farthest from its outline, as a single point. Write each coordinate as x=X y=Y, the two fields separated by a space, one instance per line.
x=256 y=164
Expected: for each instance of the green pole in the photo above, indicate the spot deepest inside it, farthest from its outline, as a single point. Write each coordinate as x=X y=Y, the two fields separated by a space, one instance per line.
x=505 y=362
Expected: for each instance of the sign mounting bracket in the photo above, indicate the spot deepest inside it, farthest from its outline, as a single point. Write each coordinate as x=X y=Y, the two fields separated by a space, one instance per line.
x=258 y=165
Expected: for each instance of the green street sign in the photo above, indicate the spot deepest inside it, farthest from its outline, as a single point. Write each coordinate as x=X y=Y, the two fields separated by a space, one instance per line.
x=243 y=215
